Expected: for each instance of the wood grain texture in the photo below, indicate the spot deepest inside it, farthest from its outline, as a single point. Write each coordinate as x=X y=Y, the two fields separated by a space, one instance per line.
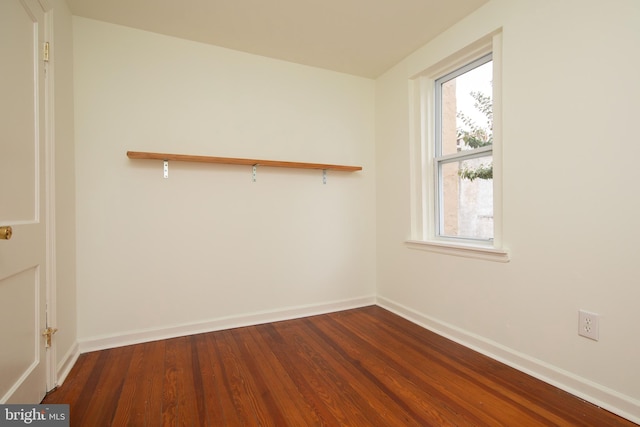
x=362 y=367
x=140 y=155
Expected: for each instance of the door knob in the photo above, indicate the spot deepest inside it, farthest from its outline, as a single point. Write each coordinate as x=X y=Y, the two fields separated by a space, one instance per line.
x=5 y=232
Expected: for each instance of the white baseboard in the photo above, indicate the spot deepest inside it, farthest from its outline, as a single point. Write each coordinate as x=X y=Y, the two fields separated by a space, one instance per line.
x=140 y=336
x=67 y=362
x=611 y=400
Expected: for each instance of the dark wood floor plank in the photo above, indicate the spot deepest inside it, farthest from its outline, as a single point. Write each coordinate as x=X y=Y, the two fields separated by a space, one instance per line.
x=106 y=393
x=179 y=407
x=125 y=410
x=307 y=386
x=198 y=386
x=270 y=413
x=370 y=397
x=155 y=353
x=224 y=411
x=140 y=399
x=82 y=395
x=237 y=383
x=170 y=393
x=190 y=385
x=363 y=367
x=328 y=378
x=288 y=398
x=207 y=359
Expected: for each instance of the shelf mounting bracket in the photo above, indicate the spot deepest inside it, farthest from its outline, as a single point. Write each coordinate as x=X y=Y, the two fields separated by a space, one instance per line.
x=166 y=169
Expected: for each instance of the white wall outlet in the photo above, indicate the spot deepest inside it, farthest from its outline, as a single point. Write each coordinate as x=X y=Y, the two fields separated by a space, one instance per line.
x=588 y=325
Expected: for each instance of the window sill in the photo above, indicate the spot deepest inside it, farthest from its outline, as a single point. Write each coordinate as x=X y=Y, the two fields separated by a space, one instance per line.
x=463 y=250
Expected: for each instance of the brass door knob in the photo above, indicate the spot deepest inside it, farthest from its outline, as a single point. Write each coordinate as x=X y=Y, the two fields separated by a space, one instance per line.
x=5 y=232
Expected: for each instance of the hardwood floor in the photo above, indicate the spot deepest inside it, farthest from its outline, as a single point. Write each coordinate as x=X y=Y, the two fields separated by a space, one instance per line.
x=362 y=367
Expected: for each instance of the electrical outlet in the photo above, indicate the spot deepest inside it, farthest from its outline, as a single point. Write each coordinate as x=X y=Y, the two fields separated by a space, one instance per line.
x=588 y=324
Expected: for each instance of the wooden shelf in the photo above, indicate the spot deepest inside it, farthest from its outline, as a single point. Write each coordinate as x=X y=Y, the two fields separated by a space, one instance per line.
x=235 y=161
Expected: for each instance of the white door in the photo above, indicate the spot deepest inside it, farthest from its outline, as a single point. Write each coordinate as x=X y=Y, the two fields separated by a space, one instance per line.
x=22 y=202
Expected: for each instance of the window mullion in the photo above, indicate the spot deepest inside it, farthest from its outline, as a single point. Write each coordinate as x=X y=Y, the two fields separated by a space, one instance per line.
x=465 y=154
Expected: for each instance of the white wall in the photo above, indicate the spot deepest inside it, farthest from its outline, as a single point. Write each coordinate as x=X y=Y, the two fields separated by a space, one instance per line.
x=209 y=248
x=570 y=102
x=61 y=71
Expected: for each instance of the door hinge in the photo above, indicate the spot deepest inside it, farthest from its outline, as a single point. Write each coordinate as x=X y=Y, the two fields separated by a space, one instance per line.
x=45 y=52
x=47 y=333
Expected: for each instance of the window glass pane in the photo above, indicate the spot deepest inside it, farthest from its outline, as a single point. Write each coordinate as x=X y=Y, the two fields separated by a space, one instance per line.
x=467 y=110
x=467 y=199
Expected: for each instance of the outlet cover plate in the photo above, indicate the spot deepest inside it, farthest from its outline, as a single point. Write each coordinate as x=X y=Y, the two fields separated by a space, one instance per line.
x=589 y=324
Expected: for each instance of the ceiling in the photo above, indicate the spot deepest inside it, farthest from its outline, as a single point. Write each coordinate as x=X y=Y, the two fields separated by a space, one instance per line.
x=360 y=37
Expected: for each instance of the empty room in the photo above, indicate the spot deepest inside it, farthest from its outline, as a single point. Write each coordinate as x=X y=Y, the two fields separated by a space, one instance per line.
x=348 y=212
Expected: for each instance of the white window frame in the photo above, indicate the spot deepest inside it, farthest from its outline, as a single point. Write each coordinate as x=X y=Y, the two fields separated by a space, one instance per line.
x=440 y=160
x=424 y=185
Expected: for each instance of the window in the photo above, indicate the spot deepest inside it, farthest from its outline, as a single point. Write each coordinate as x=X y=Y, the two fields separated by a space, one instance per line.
x=456 y=154
x=463 y=152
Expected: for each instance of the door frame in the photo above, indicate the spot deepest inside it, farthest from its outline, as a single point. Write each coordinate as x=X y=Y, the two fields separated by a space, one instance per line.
x=49 y=159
